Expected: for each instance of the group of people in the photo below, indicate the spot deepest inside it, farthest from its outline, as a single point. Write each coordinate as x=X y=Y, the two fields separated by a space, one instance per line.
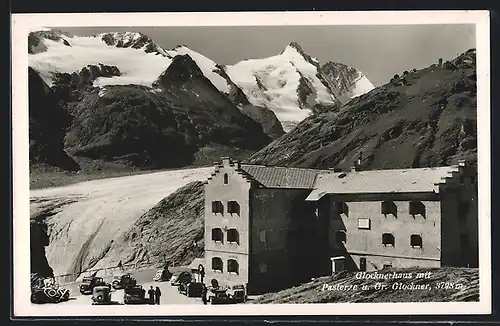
x=154 y=295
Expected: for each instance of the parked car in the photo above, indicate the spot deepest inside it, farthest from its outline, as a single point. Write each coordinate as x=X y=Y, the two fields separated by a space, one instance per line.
x=162 y=275
x=135 y=295
x=218 y=296
x=101 y=295
x=89 y=283
x=124 y=281
x=48 y=291
x=179 y=277
x=191 y=289
x=237 y=292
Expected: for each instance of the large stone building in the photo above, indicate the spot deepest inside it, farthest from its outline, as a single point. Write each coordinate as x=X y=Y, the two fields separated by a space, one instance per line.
x=273 y=227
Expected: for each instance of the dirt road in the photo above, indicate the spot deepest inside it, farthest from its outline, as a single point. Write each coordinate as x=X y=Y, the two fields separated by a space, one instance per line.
x=170 y=294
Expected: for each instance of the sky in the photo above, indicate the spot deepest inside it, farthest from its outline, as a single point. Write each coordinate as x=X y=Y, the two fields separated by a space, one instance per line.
x=379 y=51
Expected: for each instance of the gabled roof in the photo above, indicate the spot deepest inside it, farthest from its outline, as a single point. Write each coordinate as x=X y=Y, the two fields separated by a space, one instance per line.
x=381 y=181
x=197 y=262
x=282 y=177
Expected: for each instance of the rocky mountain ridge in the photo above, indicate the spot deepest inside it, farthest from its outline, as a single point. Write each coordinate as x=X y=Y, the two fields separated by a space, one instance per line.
x=422 y=118
x=141 y=61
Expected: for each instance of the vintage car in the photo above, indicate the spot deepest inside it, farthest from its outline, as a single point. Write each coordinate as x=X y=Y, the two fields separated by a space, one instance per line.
x=191 y=289
x=48 y=291
x=218 y=296
x=162 y=275
x=179 y=277
x=237 y=292
x=135 y=295
x=124 y=281
x=101 y=295
x=88 y=283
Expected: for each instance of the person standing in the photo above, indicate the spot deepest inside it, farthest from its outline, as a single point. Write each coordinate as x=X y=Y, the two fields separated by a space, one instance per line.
x=157 y=295
x=204 y=294
x=120 y=266
x=201 y=271
x=151 y=293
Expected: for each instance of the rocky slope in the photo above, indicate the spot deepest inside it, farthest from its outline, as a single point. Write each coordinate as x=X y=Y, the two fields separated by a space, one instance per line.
x=47 y=126
x=143 y=126
x=168 y=231
x=345 y=81
x=397 y=289
x=39 y=239
x=421 y=118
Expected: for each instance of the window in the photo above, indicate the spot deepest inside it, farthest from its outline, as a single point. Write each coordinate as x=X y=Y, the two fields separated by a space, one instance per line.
x=362 y=264
x=233 y=236
x=217 y=264
x=417 y=208
x=340 y=237
x=217 y=207
x=388 y=239
x=416 y=241
x=232 y=266
x=217 y=235
x=342 y=208
x=262 y=267
x=233 y=207
x=262 y=236
x=387 y=265
x=364 y=223
x=226 y=179
x=388 y=207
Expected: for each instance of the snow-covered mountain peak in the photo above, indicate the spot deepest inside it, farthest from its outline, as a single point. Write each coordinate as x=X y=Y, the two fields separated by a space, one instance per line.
x=209 y=68
x=292 y=48
x=135 y=55
x=286 y=83
x=37 y=39
x=133 y=40
x=294 y=51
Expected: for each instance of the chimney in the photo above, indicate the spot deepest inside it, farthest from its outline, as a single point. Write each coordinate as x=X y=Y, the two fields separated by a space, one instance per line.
x=238 y=165
x=357 y=163
x=226 y=161
x=216 y=166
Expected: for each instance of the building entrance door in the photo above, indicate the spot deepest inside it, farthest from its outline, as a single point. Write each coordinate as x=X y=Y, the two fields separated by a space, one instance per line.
x=362 y=264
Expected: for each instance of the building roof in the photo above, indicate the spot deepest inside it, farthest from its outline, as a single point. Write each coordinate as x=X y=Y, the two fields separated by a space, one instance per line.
x=197 y=262
x=381 y=181
x=282 y=177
